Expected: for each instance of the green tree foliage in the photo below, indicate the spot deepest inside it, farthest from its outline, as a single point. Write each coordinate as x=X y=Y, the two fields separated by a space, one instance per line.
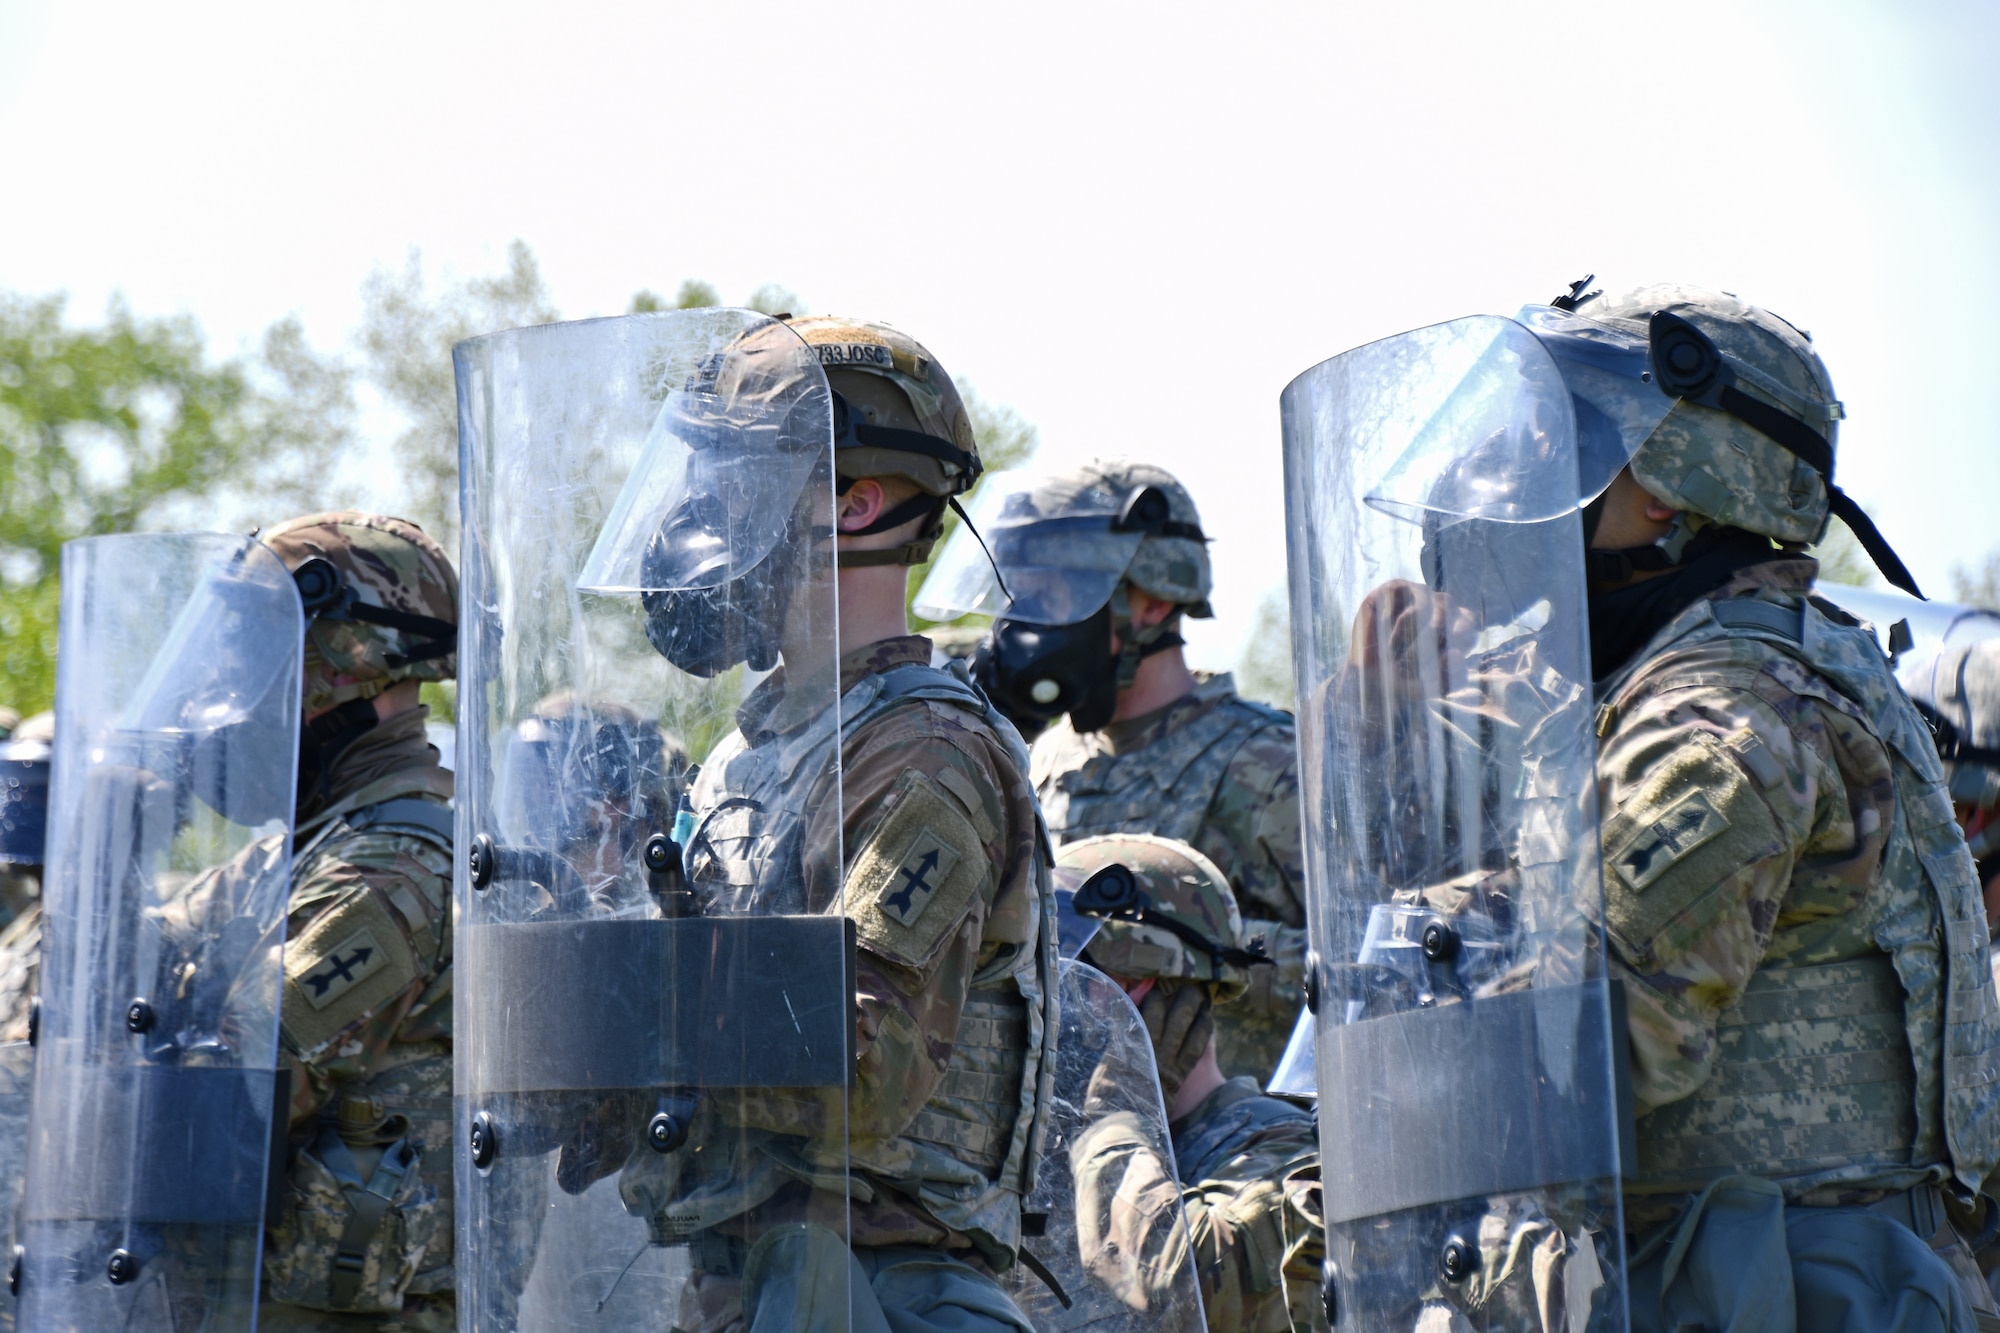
x=1978 y=585
x=128 y=425
x=1264 y=672
x=770 y=299
x=1841 y=559
x=408 y=327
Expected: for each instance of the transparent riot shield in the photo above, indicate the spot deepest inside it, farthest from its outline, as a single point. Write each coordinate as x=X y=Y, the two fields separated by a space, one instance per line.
x=1107 y=1245
x=654 y=981
x=154 y=1114
x=1468 y=1057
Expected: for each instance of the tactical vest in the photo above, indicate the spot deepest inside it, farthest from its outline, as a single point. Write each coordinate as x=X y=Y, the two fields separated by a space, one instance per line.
x=330 y=1277
x=1873 y=1070
x=970 y=1153
x=1164 y=788
x=1201 y=1148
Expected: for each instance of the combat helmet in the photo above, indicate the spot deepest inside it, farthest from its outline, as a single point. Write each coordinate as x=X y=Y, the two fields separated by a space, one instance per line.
x=896 y=414
x=1165 y=912
x=381 y=605
x=1958 y=692
x=381 y=601
x=1750 y=440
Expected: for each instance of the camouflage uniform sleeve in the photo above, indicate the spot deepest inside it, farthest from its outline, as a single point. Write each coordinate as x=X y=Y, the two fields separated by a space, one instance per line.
x=1709 y=794
x=367 y=962
x=1252 y=834
x=938 y=831
x=1131 y=1235
x=1246 y=1233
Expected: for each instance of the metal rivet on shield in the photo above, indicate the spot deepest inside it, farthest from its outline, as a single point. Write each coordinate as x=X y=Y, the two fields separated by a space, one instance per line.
x=124 y=1266
x=484 y=1139
x=666 y=1132
x=1440 y=942
x=1044 y=691
x=139 y=1015
x=480 y=860
x=1459 y=1260
x=662 y=853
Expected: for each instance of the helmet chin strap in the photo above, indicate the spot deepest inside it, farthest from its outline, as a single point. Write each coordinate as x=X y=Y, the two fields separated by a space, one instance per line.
x=913 y=552
x=1137 y=644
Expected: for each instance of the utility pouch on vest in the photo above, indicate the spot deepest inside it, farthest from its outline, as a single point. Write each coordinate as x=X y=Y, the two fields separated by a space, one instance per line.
x=357 y=1216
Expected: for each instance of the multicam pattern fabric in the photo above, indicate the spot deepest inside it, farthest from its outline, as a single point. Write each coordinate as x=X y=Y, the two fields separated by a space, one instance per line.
x=1220 y=773
x=391 y=564
x=390 y=1041
x=1776 y=821
x=1255 y=1235
x=1180 y=883
x=950 y=1064
x=20 y=971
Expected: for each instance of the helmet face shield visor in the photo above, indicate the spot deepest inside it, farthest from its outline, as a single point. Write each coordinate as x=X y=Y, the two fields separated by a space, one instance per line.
x=228 y=648
x=1061 y=555
x=713 y=493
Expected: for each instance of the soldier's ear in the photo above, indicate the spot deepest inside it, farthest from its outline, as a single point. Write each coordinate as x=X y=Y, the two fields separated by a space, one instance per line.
x=861 y=504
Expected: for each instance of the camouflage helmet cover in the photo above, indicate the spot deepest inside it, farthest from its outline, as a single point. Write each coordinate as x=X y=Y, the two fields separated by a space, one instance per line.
x=1707 y=462
x=890 y=379
x=1173 y=567
x=390 y=564
x=1179 y=883
x=1960 y=688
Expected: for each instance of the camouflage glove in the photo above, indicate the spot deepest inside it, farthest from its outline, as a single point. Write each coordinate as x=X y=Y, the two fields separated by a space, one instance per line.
x=1181 y=1022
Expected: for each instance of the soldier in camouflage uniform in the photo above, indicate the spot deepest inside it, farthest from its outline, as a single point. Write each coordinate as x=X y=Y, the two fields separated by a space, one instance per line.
x=953 y=986
x=1959 y=693
x=1815 y=1040
x=364 y=1236
x=24 y=795
x=1176 y=753
x=1247 y=1163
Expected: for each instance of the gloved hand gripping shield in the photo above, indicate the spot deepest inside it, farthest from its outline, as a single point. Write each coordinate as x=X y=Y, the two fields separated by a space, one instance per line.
x=654 y=989
x=1469 y=1058
x=1113 y=1240
x=156 y=1096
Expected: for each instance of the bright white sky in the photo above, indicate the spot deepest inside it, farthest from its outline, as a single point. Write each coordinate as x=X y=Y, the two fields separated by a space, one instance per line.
x=1133 y=222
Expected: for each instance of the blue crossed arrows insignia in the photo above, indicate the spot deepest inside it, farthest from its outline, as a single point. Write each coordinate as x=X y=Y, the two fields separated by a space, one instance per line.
x=913 y=880
x=338 y=969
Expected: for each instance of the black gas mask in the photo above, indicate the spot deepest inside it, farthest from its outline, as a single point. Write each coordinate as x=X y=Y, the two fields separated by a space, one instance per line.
x=1036 y=673
x=735 y=617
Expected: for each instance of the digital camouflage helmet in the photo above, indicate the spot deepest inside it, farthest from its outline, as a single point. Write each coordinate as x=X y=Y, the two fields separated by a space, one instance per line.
x=1163 y=910
x=1067 y=547
x=1725 y=410
x=1958 y=692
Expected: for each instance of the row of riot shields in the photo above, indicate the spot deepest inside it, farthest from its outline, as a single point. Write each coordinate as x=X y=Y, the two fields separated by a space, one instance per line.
x=655 y=992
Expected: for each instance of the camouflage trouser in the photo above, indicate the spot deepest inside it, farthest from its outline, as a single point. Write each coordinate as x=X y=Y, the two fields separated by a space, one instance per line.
x=804 y=1279
x=1739 y=1260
